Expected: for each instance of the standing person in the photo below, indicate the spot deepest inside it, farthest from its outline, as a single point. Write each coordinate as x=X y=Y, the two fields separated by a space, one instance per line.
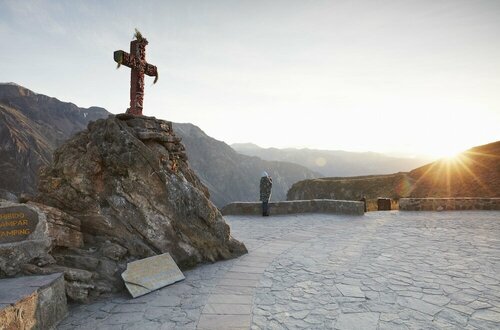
x=266 y=183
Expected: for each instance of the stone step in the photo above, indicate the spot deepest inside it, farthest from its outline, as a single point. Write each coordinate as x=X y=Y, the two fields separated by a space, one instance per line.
x=32 y=302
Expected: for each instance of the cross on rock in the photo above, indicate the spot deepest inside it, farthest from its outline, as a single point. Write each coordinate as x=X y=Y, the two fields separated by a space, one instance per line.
x=136 y=60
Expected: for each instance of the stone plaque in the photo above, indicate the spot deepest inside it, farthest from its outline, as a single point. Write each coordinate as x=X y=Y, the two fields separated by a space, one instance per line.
x=16 y=223
x=146 y=275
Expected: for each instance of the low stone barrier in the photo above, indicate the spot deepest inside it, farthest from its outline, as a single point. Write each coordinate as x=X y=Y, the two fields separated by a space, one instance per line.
x=297 y=206
x=449 y=204
x=32 y=302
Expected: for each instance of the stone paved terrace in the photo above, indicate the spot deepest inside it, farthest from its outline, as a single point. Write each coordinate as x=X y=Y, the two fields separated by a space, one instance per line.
x=384 y=270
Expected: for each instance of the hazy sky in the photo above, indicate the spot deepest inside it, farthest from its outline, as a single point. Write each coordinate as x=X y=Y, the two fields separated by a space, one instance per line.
x=389 y=76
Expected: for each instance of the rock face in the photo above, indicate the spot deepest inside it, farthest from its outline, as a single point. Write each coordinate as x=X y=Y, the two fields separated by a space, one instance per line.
x=352 y=188
x=128 y=182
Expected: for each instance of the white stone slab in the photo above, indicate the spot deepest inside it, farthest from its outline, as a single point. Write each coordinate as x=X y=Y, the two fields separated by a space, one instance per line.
x=149 y=274
x=355 y=321
x=350 y=291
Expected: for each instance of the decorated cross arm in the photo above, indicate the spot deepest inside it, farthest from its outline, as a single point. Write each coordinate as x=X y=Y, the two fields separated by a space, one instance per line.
x=151 y=71
x=122 y=57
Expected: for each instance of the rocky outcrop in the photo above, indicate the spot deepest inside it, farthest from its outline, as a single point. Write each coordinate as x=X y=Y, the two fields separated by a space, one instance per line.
x=127 y=180
x=352 y=188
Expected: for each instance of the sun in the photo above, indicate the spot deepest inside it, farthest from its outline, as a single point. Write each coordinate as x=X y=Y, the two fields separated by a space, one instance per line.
x=449 y=152
x=452 y=156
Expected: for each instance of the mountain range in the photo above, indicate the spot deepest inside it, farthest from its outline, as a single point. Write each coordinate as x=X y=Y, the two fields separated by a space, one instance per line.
x=473 y=173
x=33 y=125
x=334 y=163
x=231 y=176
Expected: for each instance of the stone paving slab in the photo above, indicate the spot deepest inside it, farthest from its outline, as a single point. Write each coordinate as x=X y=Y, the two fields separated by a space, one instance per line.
x=228 y=309
x=385 y=270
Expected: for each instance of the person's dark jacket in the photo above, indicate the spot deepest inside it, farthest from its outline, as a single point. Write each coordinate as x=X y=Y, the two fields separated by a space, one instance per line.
x=266 y=183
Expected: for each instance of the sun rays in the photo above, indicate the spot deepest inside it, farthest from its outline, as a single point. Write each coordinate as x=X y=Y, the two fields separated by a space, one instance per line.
x=458 y=175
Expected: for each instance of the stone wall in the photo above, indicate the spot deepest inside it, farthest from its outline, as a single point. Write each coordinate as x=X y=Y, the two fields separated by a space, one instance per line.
x=448 y=204
x=298 y=206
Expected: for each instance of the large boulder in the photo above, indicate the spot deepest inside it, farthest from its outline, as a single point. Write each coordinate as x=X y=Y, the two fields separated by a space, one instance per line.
x=128 y=182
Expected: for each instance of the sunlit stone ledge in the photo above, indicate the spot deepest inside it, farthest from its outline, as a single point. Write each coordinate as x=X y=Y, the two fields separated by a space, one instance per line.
x=449 y=204
x=32 y=302
x=296 y=206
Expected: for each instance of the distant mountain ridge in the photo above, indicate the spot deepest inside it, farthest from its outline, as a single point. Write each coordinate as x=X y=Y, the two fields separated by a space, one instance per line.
x=474 y=173
x=334 y=163
x=65 y=118
x=231 y=176
x=33 y=125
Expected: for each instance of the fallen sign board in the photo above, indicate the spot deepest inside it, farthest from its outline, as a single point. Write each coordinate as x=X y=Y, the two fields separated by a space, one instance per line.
x=146 y=275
